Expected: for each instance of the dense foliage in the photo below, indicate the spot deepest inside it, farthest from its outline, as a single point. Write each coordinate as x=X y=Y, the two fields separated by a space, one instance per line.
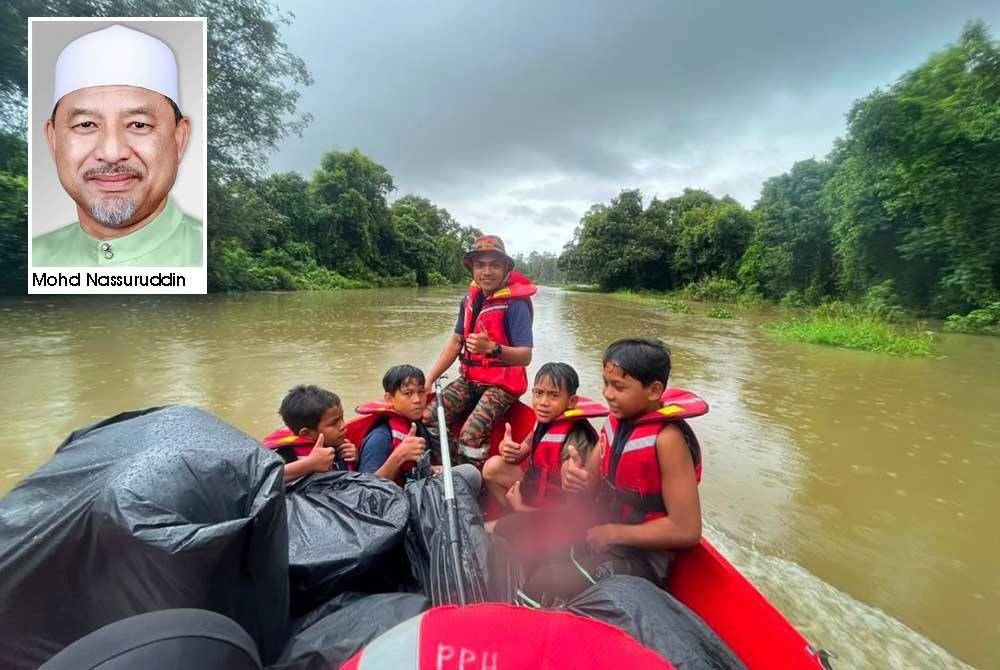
x=336 y=230
x=907 y=204
x=985 y=321
x=13 y=214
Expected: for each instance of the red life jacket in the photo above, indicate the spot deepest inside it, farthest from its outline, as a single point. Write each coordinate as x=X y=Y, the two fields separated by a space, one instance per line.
x=399 y=426
x=542 y=467
x=284 y=437
x=492 y=371
x=629 y=465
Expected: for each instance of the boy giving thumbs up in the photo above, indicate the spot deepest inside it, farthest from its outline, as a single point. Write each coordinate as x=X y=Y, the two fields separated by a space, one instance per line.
x=527 y=476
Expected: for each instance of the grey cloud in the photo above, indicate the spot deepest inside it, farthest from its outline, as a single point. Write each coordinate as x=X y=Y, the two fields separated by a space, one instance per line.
x=482 y=107
x=522 y=211
x=558 y=214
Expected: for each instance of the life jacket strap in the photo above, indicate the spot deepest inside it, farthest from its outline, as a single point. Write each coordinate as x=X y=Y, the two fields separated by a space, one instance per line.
x=641 y=505
x=485 y=363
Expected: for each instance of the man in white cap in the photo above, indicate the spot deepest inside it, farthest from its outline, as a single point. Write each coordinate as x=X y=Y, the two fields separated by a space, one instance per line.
x=117 y=137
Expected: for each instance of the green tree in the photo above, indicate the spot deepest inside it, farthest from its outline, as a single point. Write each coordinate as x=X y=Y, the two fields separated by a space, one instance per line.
x=712 y=241
x=791 y=247
x=613 y=243
x=288 y=194
x=430 y=241
x=240 y=211
x=352 y=219
x=673 y=242
x=415 y=245
x=13 y=214
x=13 y=233
x=13 y=154
x=916 y=194
x=660 y=271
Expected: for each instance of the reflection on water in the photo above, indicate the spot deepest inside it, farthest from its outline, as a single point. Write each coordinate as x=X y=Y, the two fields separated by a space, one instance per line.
x=856 y=490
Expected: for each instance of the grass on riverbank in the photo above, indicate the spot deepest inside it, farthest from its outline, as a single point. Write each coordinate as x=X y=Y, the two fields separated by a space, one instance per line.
x=985 y=321
x=835 y=324
x=712 y=290
x=583 y=288
x=852 y=327
x=657 y=300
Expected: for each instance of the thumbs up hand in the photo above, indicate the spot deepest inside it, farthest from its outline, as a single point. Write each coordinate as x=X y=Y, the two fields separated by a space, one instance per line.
x=321 y=457
x=510 y=450
x=479 y=342
x=411 y=447
x=575 y=477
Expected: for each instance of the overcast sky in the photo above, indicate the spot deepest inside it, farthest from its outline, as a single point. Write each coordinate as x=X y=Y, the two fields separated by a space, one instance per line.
x=518 y=116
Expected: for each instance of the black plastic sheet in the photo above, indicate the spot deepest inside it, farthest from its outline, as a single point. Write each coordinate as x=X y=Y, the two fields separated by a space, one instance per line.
x=427 y=541
x=156 y=509
x=339 y=629
x=345 y=533
x=162 y=640
x=657 y=620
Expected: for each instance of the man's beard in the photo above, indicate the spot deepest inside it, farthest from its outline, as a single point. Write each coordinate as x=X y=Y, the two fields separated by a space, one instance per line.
x=114 y=212
x=111 y=210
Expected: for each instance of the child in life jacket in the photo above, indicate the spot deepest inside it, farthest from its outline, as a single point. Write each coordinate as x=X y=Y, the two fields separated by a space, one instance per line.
x=644 y=476
x=527 y=476
x=314 y=438
x=392 y=446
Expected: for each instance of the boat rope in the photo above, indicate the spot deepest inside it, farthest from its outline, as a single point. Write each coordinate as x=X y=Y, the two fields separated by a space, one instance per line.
x=580 y=567
x=522 y=598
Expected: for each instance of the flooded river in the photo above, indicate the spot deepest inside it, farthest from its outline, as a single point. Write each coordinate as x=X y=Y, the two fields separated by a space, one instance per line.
x=858 y=491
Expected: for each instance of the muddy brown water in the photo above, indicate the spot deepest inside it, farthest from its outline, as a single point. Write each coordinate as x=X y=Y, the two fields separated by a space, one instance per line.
x=858 y=491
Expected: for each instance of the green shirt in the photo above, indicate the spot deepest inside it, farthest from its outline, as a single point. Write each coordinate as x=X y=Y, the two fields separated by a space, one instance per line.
x=172 y=239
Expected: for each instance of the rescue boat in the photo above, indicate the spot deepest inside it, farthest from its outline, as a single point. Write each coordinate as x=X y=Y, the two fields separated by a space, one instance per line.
x=701 y=578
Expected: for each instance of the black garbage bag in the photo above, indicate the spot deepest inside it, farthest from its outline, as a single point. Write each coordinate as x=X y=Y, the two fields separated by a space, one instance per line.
x=427 y=542
x=345 y=533
x=155 y=509
x=347 y=625
x=658 y=620
x=334 y=604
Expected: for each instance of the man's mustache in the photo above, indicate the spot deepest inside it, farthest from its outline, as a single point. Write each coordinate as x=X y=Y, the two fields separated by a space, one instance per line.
x=111 y=171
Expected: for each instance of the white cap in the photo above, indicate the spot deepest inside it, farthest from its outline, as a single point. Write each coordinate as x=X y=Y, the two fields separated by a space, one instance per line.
x=116 y=56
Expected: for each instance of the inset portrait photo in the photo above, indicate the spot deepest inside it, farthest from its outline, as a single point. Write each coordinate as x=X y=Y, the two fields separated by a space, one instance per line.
x=117 y=155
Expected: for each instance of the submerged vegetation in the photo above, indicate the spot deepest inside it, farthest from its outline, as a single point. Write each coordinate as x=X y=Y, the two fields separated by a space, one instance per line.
x=657 y=300
x=985 y=321
x=713 y=289
x=853 y=327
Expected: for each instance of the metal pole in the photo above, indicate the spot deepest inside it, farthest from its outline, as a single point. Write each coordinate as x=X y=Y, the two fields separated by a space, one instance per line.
x=451 y=507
